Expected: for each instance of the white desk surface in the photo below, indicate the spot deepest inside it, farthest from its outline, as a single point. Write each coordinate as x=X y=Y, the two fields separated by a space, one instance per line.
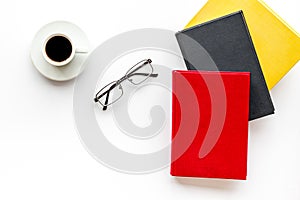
x=41 y=156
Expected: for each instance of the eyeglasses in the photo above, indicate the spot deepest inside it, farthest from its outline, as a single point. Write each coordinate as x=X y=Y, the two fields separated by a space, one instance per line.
x=136 y=75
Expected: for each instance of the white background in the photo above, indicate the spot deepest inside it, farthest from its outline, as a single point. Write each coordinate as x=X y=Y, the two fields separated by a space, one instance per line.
x=41 y=156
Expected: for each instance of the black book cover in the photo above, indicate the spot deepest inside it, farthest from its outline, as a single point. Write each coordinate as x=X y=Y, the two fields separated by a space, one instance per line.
x=229 y=44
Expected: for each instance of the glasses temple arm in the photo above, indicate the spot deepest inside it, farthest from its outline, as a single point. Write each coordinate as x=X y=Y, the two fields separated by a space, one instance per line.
x=141 y=74
x=107 y=93
x=104 y=93
x=106 y=101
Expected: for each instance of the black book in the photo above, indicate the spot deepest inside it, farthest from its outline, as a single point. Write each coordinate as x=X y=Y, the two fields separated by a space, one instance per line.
x=229 y=44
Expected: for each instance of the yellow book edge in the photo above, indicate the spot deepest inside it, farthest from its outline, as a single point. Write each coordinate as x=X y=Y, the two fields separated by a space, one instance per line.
x=192 y=23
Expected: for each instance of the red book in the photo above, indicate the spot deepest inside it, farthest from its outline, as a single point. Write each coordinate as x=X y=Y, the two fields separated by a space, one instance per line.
x=210 y=124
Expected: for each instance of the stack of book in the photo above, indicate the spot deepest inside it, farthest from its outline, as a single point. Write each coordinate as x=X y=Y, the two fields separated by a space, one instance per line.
x=252 y=49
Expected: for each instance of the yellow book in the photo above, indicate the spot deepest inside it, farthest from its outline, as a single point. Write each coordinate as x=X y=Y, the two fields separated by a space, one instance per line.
x=276 y=43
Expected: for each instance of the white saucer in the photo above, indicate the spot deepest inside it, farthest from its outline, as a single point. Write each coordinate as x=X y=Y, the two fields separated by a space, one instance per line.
x=72 y=69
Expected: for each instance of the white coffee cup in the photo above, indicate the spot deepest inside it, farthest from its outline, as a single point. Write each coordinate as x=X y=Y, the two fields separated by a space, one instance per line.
x=59 y=50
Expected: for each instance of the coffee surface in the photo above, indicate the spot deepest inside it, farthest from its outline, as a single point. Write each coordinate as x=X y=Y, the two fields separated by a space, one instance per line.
x=58 y=48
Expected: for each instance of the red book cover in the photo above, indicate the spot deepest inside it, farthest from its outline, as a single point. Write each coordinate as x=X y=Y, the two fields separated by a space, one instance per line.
x=210 y=124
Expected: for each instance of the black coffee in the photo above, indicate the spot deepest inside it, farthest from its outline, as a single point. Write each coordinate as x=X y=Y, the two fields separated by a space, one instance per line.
x=58 y=48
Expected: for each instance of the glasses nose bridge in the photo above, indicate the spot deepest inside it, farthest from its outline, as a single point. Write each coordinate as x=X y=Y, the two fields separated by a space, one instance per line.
x=122 y=79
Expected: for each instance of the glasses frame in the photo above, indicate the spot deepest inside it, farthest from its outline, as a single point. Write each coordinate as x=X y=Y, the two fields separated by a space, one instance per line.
x=118 y=82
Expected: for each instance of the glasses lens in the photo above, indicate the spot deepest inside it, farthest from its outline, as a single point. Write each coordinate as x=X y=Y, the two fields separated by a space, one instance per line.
x=110 y=94
x=140 y=72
